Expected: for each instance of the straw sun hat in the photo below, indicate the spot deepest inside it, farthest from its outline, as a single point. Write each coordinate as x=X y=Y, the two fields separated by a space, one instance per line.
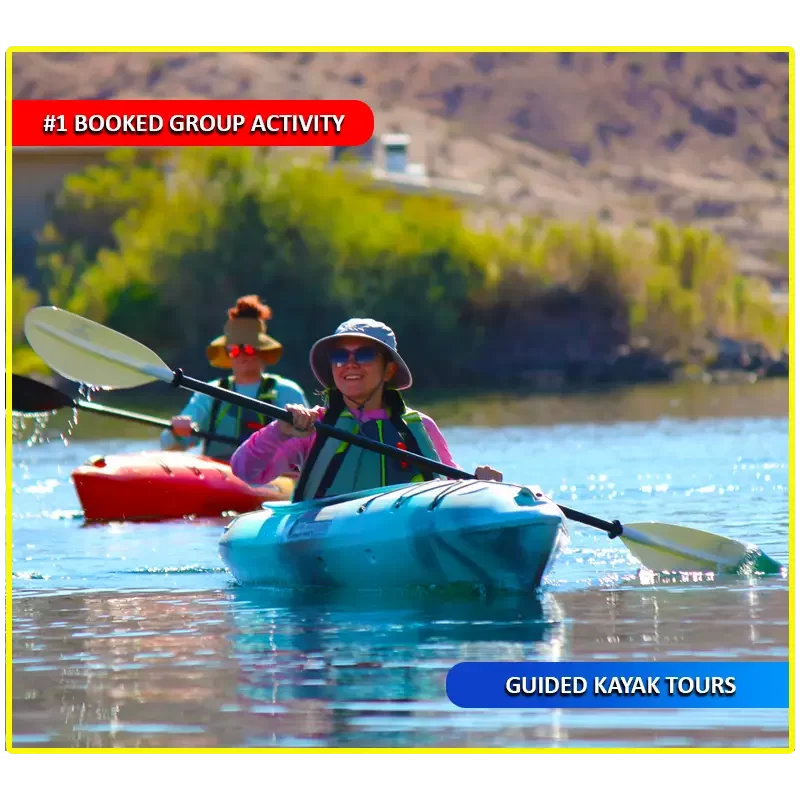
x=244 y=328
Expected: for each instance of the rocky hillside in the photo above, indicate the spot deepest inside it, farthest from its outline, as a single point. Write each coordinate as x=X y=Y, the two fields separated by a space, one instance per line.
x=700 y=137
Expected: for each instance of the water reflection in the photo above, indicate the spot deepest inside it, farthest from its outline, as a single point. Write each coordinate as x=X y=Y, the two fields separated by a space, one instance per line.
x=769 y=398
x=646 y=403
x=248 y=668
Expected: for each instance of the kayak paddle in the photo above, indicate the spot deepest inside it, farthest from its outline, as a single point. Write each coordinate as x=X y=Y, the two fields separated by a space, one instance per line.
x=33 y=397
x=87 y=352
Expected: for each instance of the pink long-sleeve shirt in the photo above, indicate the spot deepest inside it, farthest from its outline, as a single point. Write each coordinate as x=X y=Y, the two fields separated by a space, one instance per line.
x=269 y=453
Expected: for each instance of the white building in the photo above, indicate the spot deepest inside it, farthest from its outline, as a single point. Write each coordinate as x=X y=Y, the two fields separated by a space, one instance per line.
x=389 y=166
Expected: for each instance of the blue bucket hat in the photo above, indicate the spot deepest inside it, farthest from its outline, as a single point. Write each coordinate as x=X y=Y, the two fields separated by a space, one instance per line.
x=369 y=329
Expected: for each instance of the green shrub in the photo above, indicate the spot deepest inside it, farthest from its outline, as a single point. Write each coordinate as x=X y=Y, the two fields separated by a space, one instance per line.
x=161 y=253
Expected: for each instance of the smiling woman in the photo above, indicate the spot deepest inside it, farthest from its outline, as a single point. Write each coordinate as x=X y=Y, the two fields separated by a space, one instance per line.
x=362 y=374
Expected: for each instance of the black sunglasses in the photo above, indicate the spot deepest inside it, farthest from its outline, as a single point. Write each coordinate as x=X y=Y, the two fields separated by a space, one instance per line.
x=339 y=356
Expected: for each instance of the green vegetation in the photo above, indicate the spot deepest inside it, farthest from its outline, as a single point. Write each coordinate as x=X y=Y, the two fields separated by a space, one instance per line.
x=160 y=246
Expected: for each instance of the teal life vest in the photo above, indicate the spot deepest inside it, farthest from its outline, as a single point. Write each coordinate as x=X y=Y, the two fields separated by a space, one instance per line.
x=247 y=421
x=334 y=467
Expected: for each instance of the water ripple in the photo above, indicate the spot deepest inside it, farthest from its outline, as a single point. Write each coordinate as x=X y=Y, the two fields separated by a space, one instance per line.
x=135 y=635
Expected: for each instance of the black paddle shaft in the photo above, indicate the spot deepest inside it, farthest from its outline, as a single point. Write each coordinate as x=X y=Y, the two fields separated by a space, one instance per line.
x=166 y=424
x=259 y=406
x=282 y=414
x=34 y=397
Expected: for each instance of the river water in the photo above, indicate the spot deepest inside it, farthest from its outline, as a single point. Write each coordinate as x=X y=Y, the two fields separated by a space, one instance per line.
x=134 y=635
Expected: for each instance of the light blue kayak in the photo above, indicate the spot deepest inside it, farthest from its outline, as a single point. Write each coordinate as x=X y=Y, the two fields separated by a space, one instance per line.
x=419 y=534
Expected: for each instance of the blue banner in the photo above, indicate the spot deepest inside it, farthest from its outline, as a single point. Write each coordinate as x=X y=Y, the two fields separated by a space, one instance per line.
x=666 y=684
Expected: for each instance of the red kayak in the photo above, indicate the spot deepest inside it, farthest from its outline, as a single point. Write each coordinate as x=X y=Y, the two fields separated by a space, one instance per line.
x=166 y=485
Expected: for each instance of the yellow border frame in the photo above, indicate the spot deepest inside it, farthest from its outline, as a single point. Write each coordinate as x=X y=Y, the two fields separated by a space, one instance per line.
x=598 y=750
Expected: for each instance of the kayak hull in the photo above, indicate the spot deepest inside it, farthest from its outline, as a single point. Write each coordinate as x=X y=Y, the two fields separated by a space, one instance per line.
x=432 y=534
x=164 y=485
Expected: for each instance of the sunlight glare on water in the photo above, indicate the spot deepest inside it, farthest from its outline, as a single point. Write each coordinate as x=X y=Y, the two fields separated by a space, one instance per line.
x=133 y=634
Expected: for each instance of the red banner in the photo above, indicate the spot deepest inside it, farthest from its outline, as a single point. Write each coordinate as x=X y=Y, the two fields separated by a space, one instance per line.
x=192 y=123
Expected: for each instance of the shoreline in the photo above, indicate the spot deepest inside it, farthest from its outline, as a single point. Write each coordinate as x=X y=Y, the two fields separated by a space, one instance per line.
x=535 y=382
x=599 y=405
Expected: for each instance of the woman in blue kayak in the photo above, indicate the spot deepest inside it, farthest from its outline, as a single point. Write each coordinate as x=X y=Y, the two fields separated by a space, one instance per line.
x=245 y=349
x=362 y=374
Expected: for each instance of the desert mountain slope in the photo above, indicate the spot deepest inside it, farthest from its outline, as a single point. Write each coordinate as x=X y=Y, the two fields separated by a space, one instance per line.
x=700 y=137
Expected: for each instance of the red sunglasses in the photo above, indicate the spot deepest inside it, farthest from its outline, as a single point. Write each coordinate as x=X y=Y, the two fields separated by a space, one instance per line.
x=236 y=350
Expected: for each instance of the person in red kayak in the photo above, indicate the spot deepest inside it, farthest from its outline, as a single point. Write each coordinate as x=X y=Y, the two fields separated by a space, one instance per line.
x=363 y=376
x=245 y=349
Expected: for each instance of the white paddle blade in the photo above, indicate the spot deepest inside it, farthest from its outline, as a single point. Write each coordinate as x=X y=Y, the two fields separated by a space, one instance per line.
x=87 y=352
x=666 y=548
